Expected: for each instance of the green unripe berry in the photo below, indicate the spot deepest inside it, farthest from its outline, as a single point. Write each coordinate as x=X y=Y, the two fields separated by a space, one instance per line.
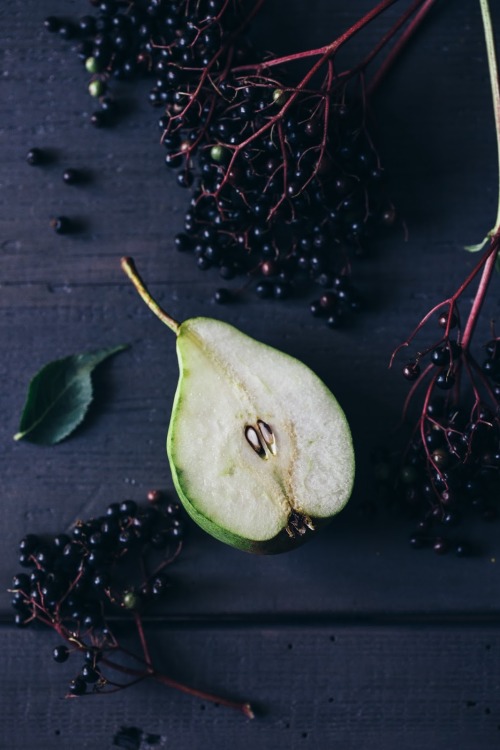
x=279 y=96
x=97 y=88
x=91 y=65
x=130 y=600
x=218 y=154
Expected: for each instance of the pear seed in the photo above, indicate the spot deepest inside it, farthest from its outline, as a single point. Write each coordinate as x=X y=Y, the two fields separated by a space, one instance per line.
x=268 y=435
x=253 y=439
x=309 y=523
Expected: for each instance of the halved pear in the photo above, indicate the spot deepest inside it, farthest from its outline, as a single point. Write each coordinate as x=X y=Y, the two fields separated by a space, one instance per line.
x=260 y=451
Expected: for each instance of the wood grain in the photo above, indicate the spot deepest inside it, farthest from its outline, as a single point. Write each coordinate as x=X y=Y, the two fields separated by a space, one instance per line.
x=352 y=673
x=335 y=687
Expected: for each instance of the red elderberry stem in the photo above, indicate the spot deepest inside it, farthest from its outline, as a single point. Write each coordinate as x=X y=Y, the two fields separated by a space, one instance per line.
x=484 y=282
x=401 y=43
x=244 y=708
x=488 y=262
x=140 y=674
x=142 y=639
x=206 y=71
x=328 y=49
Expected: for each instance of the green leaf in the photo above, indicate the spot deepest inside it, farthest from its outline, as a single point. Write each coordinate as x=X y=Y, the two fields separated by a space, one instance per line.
x=59 y=396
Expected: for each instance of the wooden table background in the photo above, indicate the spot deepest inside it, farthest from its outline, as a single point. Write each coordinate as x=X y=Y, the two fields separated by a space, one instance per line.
x=355 y=640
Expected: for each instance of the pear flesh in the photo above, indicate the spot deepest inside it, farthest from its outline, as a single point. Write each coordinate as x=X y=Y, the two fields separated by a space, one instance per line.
x=260 y=451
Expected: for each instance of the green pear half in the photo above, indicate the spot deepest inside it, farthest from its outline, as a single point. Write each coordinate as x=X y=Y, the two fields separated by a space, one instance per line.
x=260 y=451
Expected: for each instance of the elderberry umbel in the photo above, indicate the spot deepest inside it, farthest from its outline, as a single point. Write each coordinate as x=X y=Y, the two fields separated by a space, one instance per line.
x=168 y=40
x=103 y=571
x=450 y=469
x=286 y=188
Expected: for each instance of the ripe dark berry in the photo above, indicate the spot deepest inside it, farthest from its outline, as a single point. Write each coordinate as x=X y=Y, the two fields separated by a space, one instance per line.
x=445 y=380
x=176 y=530
x=185 y=178
x=440 y=356
x=21 y=581
x=60 y=541
x=281 y=291
x=159 y=585
x=99 y=119
x=78 y=686
x=445 y=317
x=173 y=509
x=67 y=30
x=92 y=656
x=493 y=349
x=128 y=508
x=316 y=309
x=113 y=510
x=52 y=24
x=222 y=296
x=61 y=225
x=71 y=176
x=441 y=546
x=35 y=157
x=419 y=541
x=334 y=320
x=411 y=371
x=327 y=301
x=264 y=289
x=29 y=543
x=60 y=654
x=90 y=674
x=21 y=620
x=182 y=242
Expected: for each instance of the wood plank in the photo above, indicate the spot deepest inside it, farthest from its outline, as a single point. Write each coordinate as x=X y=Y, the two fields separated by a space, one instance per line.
x=350 y=688
x=66 y=294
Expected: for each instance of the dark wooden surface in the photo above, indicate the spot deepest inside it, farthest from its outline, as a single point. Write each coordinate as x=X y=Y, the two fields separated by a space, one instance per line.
x=354 y=641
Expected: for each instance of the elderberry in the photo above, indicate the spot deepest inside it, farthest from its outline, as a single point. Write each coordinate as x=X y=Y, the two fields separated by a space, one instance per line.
x=81 y=581
x=302 y=187
x=60 y=654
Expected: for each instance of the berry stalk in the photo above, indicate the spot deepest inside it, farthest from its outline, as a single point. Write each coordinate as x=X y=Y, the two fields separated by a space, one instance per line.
x=105 y=570
x=450 y=468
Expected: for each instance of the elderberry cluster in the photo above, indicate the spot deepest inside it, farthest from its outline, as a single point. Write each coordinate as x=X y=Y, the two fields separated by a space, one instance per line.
x=451 y=468
x=278 y=195
x=286 y=188
x=171 y=40
x=77 y=582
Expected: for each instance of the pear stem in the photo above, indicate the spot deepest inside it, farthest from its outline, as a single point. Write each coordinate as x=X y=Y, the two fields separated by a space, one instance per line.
x=129 y=268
